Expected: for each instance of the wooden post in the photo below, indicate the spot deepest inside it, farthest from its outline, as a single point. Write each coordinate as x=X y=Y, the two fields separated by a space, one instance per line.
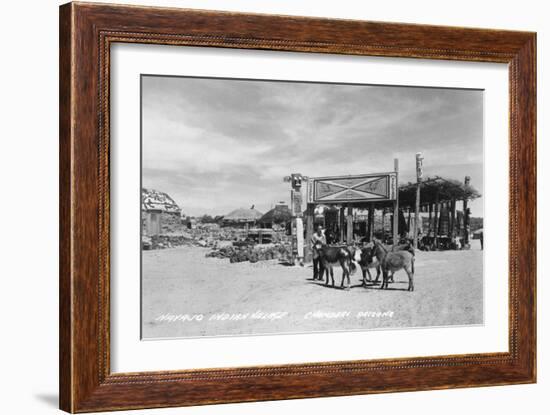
x=419 y=172
x=297 y=227
x=371 y=221
x=434 y=218
x=342 y=223
x=437 y=218
x=396 y=204
x=349 y=225
x=417 y=218
x=452 y=232
x=383 y=223
x=453 y=218
x=435 y=226
x=466 y=217
x=310 y=217
x=409 y=221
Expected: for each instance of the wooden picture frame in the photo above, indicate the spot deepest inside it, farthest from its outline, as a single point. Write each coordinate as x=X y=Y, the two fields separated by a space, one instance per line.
x=86 y=33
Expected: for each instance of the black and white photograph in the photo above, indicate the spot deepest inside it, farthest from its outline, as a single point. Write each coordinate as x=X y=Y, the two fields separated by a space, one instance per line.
x=276 y=206
x=280 y=207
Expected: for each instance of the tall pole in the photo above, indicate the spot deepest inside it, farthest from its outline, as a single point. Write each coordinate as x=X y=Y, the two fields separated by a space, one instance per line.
x=396 y=204
x=452 y=231
x=409 y=221
x=384 y=223
x=342 y=224
x=436 y=220
x=419 y=172
x=466 y=217
x=371 y=221
x=297 y=226
x=310 y=218
x=430 y=214
x=349 y=224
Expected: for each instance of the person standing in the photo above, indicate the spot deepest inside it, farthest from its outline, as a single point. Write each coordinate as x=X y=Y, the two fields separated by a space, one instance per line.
x=317 y=239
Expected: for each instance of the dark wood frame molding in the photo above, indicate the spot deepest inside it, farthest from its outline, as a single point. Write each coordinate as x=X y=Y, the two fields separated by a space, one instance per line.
x=86 y=33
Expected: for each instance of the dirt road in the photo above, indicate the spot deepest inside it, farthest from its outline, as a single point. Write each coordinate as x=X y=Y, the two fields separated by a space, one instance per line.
x=188 y=295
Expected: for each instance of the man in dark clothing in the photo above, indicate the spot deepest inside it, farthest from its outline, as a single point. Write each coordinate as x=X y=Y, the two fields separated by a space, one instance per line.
x=317 y=238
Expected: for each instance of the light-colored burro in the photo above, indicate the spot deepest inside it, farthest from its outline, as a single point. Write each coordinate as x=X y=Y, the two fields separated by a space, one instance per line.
x=376 y=255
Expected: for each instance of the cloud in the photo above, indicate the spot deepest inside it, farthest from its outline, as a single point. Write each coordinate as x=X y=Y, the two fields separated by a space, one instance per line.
x=218 y=144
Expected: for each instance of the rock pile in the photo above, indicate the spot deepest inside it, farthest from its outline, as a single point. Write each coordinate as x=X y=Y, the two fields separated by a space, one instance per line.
x=207 y=237
x=168 y=241
x=226 y=242
x=252 y=253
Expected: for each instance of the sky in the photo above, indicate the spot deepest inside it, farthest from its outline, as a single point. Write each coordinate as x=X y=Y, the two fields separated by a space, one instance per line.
x=215 y=145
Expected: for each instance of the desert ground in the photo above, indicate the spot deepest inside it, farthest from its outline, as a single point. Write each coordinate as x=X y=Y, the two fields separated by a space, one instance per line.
x=185 y=294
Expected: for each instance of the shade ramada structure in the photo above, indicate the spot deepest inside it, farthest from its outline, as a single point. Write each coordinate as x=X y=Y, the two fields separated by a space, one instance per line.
x=436 y=189
x=438 y=197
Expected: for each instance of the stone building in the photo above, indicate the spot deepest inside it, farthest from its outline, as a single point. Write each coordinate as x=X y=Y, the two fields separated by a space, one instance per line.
x=160 y=214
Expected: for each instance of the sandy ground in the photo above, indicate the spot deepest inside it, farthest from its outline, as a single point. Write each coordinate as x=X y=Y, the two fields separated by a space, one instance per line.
x=188 y=295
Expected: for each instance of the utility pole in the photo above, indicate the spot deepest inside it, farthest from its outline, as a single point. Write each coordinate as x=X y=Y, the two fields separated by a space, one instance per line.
x=419 y=172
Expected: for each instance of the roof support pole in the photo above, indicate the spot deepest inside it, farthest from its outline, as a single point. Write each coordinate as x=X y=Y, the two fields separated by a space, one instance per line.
x=383 y=224
x=452 y=232
x=419 y=172
x=409 y=221
x=349 y=224
x=396 y=205
x=466 y=217
x=371 y=221
x=342 y=222
x=436 y=220
x=310 y=210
